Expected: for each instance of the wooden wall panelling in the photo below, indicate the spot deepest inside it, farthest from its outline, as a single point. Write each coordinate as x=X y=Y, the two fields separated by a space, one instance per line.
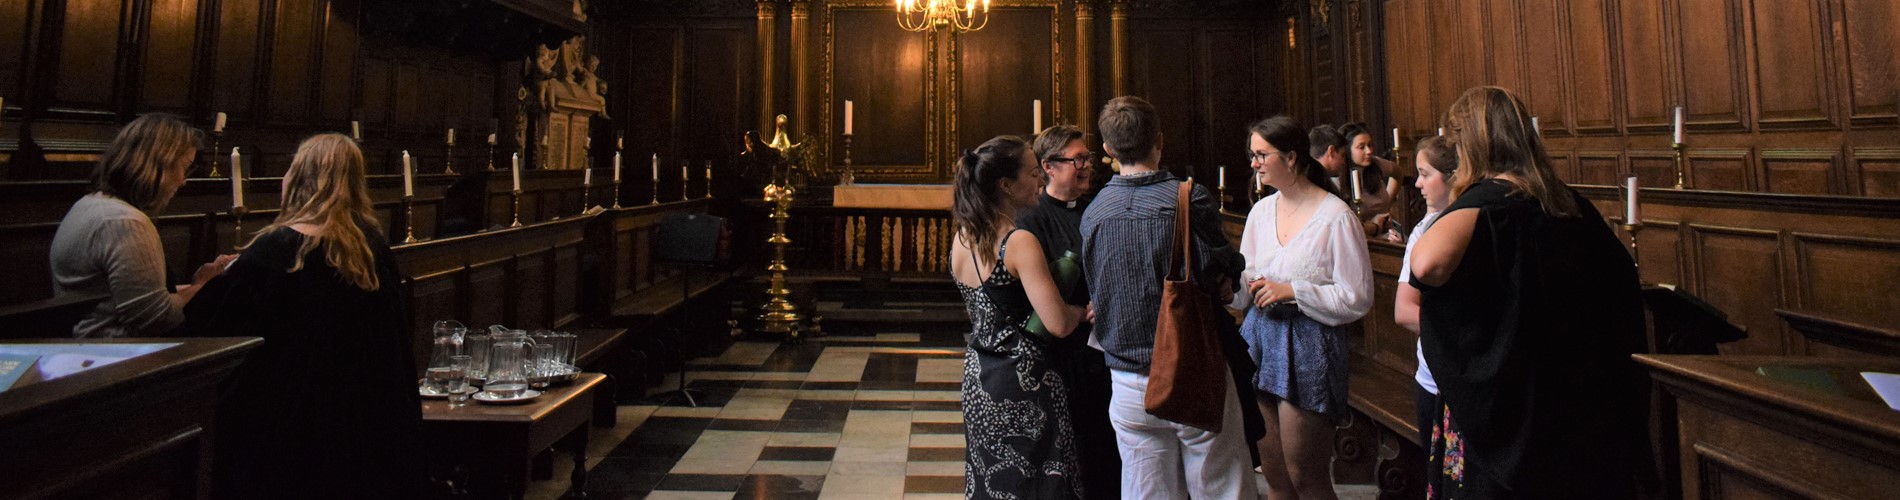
x=1659 y=252
x=1646 y=78
x=1652 y=168
x=1848 y=277
x=93 y=36
x=531 y=293
x=1800 y=171
x=892 y=82
x=650 y=116
x=1447 y=61
x=1867 y=38
x=17 y=20
x=236 y=57
x=1473 y=49
x=27 y=243
x=1156 y=67
x=435 y=296
x=1740 y=272
x=1712 y=63
x=1594 y=92
x=1506 y=44
x=721 y=102
x=294 y=48
x=1602 y=168
x=169 y=43
x=1791 y=65
x=1718 y=170
x=1546 y=35
x=378 y=91
x=566 y=283
x=1878 y=171
x=488 y=293
x=1000 y=69
x=1228 y=96
x=337 y=89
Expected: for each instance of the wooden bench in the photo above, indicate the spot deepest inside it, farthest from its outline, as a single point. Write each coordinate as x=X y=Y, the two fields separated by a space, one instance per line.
x=1385 y=429
x=49 y=318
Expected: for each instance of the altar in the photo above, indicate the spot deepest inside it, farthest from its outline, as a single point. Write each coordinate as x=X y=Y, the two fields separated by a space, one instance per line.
x=892 y=196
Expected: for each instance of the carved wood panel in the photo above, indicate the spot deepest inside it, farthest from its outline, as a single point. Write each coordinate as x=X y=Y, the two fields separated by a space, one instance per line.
x=89 y=43
x=236 y=60
x=1593 y=82
x=1546 y=35
x=1709 y=31
x=170 y=38
x=1739 y=271
x=1644 y=71
x=14 y=21
x=1873 y=63
x=891 y=83
x=1000 y=70
x=1851 y=278
x=1879 y=172
x=532 y=293
x=488 y=292
x=1719 y=170
x=1791 y=65
x=1659 y=252
x=1800 y=171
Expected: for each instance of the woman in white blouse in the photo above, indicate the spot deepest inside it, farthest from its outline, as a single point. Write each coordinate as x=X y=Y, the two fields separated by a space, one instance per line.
x=1310 y=279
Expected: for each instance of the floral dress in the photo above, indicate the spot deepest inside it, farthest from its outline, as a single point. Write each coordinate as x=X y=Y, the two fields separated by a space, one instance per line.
x=1019 y=439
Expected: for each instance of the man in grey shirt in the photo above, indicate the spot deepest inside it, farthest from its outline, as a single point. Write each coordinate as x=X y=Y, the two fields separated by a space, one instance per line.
x=1126 y=237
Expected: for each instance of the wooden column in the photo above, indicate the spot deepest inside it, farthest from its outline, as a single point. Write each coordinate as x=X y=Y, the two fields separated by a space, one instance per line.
x=1084 y=85
x=768 y=65
x=1118 y=47
x=801 y=68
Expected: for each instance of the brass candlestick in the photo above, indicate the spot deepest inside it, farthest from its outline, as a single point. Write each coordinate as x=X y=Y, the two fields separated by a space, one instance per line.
x=1681 y=151
x=409 y=219
x=491 y=156
x=216 y=138
x=686 y=178
x=237 y=226
x=517 y=200
x=656 y=187
x=616 y=193
x=587 y=197
x=709 y=184
x=779 y=314
x=849 y=178
x=1635 y=258
x=448 y=161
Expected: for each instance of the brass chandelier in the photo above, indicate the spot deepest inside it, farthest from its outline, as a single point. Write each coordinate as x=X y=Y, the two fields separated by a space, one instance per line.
x=924 y=15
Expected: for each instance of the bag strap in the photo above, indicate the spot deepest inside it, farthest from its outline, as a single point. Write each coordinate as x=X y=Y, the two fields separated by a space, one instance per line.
x=1181 y=258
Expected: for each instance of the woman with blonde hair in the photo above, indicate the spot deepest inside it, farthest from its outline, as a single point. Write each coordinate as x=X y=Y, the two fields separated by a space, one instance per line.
x=1528 y=314
x=332 y=393
x=107 y=244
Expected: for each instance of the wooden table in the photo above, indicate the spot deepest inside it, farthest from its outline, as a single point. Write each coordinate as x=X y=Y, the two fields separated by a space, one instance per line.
x=498 y=442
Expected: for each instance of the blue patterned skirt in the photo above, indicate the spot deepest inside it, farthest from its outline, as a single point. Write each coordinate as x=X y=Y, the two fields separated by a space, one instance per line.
x=1301 y=361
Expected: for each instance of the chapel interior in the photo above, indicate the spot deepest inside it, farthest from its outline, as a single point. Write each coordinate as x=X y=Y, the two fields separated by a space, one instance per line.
x=736 y=216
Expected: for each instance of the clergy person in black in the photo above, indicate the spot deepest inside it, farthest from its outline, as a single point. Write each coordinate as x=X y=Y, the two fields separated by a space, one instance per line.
x=1057 y=223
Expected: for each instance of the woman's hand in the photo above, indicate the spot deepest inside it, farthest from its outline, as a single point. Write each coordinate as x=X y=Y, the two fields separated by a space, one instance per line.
x=1266 y=293
x=212 y=269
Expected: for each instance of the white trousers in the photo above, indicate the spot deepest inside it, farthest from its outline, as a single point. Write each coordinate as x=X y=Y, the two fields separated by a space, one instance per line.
x=1166 y=460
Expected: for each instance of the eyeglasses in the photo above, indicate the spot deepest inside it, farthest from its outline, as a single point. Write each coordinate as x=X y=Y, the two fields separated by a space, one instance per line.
x=1084 y=162
x=1260 y=157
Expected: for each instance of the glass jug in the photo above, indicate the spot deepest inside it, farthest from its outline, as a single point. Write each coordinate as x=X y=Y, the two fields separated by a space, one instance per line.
x=508 y=362
x=447 y=343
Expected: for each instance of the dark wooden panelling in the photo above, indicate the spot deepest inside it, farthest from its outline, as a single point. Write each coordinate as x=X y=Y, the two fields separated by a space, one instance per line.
x=566 y=279
x=1000 y=70
x=171 y=37
x=652 y=100
x=340 y=41
x=1545 y=35
x=1645 y=75
x=1599 y=167
x=378 y=77
x=1849 y=278
x=437 y=297
x=236 y=75
x=1593 y=86
x=1873 y=63
x=1228 y=96
x=488 y=294
x=1879 y=172
x=88 y=54
x=1507 y=46
x=408 y=95
x=1739 y=272
x=1791 y=65
x=14 y=19
x=1653 y=168
x=1712 y=52
x=1799 y=171
x=532 y=290
x=1156 y=69
x=1659 y=251
x=293 y=43
x=1719 y=170
x=717 y=96
x=883 y=70
x=1447 y=47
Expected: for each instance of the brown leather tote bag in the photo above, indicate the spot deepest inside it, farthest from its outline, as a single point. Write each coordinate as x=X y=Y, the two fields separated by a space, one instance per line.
x=1187 y=380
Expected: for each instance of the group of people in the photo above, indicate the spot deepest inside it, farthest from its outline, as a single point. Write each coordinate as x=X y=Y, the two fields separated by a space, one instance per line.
x=1525 y=302
x=331 y=392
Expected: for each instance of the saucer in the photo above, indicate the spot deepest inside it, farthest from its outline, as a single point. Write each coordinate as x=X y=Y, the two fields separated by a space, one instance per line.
x=489 y=397
x=443 y=395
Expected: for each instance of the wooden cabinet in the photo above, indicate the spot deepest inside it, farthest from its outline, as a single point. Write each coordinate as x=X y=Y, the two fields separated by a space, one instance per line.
x=1779 y=427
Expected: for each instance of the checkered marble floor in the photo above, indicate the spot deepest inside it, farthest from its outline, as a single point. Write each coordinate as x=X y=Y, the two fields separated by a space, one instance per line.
x=873 y=416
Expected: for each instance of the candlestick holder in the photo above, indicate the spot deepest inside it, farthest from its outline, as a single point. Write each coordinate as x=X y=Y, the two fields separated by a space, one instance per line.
x=237 y=226
x=849 y=178
x=216 y=147
x=656 y=188
x=517 y=200
x=409 y=219
x=709 y=184
x=491 y=156
x=1681 y=153
x=587 y=197
x=448 y=160
x=616 y=194
x=686 y=178
x=1633 y=227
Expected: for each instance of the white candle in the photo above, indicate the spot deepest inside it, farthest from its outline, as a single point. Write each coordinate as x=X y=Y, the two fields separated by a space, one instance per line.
x=408 y=175
x=218 y=125
x=517 y=171
x=590 y=143
x=451 y=136
x=587 y=177
x=1535 y=127
x=1035 y=110
x=491 y=138
x=1356 y=187
x=1631 y=210
x=356 y=130
x=684 y=176
x=620 y=141
x=1678 y=127
x=847 y=118
x=656 y=168
x=1441 y=131
x=1223 y=178
x=237 y=179
x=1395 y=138
x=616 y=167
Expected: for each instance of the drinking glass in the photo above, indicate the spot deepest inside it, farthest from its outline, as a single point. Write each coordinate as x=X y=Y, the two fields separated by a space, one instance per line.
x=544 y=362
x=457 y=383
x=508 y=363
x=478 y=346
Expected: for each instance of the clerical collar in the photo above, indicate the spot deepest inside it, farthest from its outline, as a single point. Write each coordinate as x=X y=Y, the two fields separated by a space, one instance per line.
x=1071 y=204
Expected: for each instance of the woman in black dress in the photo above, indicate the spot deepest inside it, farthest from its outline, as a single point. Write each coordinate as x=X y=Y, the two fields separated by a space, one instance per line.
x=1529 y=313
x=1020 y=442
x=327 y=408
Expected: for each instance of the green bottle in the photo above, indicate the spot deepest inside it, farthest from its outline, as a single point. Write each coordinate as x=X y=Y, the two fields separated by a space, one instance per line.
x=1067 y=272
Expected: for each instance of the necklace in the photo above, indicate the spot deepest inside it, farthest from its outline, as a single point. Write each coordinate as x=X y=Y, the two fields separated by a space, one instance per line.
x=1287 y=231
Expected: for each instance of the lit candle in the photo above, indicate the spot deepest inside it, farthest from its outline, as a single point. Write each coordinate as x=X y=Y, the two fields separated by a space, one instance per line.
x=1678 y=127
x=1395 y=138
x=847 y=118
x=237 y=179
x=356 y=130
x=587 y=177
x=217 y=125
x=616 y=167
x=451 y=136
x=1035 y=110
x=408 y=175
x=517 y=172
x=1631 y=210
x=656 y=168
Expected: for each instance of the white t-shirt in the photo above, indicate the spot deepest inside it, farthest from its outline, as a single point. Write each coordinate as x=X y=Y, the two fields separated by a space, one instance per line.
x=1424 y=375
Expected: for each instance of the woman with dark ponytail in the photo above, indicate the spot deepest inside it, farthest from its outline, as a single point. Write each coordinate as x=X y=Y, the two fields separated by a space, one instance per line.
x=1019 y=440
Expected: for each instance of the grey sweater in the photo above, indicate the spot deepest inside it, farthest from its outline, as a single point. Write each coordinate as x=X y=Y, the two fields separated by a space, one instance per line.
x=1126 y=234
x=107 y=246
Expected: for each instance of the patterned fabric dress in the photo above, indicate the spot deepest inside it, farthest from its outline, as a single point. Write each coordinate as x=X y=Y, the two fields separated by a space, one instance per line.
x=1019 y=440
